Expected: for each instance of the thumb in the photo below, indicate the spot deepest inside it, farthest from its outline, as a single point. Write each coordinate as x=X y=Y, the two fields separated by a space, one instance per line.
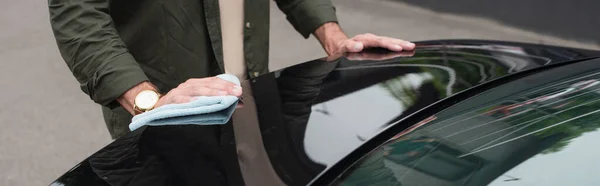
x=354 y=46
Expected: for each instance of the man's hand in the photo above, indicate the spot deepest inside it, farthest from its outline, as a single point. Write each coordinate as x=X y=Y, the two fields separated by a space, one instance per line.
x=185 y=92
x=212 y=86
x=360 y=42
x=335 y=42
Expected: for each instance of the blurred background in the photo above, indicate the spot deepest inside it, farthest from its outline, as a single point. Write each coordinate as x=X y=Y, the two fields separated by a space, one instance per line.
x=47 y=125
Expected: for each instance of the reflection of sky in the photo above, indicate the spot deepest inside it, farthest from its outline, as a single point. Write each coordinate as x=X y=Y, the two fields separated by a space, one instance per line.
x=577 y=164
x=360 y=113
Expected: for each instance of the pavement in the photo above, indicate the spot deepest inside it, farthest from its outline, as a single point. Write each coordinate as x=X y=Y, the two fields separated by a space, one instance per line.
x=48 y=124
x=575 y=20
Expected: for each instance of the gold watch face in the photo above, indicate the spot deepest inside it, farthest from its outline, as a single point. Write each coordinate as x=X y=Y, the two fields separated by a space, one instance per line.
x=146 y=99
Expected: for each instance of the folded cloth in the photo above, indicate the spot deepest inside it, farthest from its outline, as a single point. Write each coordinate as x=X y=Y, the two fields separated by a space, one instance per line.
x=204 y=110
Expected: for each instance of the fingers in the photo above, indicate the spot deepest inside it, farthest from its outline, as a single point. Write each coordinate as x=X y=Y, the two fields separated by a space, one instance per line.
x=212 y=86
x=353 y=46
x=192 y=88
x=373 y=41
x=223 y=85
x=404 y=44
x=182 y=99
x=204 y=91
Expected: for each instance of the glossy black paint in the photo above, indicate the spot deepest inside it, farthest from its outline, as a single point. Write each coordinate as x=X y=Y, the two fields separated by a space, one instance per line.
x=309 y=115
x=518 y=133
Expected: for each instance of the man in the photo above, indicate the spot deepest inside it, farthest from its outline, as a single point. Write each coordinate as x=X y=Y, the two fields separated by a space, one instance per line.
x=125 y=54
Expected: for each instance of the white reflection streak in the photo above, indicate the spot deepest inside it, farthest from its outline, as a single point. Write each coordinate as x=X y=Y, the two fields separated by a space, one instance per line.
x=574 y=107
x=543 y=105
x=487 y=123
x=519 y=113
x=476 y=63
x=481 y=69
x=528 y=94
x=492 y=64
x=510 y=133
x=530 y=133
x=507 y=128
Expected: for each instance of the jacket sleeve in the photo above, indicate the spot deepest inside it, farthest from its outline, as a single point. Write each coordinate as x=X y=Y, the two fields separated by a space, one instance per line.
x=94 y=52
x=307 y=15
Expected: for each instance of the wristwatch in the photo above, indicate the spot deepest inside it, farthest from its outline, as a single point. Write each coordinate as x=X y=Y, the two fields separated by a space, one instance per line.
x=145 y=101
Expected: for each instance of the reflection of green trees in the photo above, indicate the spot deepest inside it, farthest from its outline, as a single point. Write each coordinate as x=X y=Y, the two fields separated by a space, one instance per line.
x=468 y=70
x=402 y=90
x=546 y=115
x=573 y=128
x=555 y=111
x=467 y=67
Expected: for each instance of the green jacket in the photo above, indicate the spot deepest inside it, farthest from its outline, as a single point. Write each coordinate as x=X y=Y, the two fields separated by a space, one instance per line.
x=111 y=46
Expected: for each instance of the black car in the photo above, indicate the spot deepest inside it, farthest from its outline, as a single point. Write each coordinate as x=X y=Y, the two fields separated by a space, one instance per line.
x=452 y=112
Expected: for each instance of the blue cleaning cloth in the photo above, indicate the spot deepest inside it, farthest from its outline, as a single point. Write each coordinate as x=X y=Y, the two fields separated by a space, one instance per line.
x=205 y=110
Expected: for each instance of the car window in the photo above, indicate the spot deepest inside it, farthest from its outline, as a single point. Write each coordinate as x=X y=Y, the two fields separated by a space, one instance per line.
x=486 y=138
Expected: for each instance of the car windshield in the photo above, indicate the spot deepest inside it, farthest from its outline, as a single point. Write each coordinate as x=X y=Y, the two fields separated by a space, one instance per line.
x=534 y=131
